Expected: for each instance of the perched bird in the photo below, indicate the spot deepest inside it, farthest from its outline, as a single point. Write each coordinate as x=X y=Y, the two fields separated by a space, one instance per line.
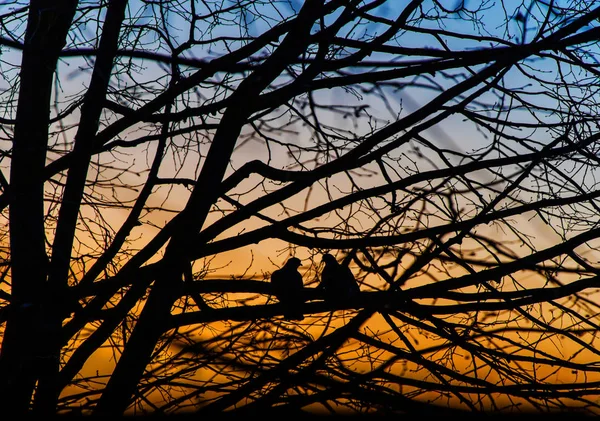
x=289 y=287
x=337 y=281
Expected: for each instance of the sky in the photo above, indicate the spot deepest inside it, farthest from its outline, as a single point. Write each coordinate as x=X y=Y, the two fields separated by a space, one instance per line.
x=260 y=260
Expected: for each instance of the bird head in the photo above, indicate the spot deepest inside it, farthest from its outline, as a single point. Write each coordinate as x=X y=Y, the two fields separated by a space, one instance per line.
x=294 y=262
x=328 y=258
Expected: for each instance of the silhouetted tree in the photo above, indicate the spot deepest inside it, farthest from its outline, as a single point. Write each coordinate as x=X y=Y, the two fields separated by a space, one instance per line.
x=160 y=159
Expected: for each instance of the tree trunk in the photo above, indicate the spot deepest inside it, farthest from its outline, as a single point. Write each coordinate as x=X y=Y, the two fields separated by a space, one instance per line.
x=48 y=388
x=157 y=310
x=22 y=357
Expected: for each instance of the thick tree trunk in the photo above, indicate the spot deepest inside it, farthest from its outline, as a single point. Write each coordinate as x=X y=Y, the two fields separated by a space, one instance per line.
x=157 y=310
x=23 y=357
x=48 y=388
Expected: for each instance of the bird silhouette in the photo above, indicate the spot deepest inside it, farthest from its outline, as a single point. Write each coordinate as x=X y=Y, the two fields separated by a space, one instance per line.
x=289 y=287
x=337 y=281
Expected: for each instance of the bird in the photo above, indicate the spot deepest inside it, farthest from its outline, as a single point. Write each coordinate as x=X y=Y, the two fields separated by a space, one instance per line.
x=288 y=286
x=337 y=281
